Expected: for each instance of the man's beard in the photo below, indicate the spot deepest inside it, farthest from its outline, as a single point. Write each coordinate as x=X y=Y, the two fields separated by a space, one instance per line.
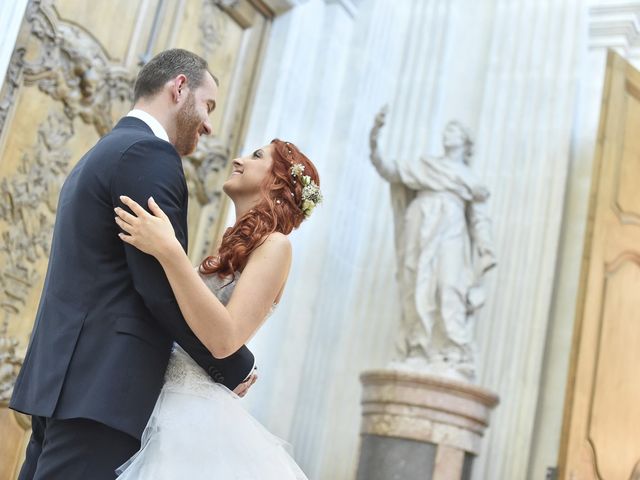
x=187 y=125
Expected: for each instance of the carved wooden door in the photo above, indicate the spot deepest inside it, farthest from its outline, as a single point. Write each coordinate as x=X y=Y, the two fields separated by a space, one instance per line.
x=601 y=431
x=69 y=80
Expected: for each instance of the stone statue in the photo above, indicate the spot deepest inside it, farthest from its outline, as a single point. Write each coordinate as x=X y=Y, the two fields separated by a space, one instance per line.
x=444 y=249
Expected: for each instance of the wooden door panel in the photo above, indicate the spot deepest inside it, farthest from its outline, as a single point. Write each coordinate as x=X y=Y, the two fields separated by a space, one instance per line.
x=602 y=408
x=612 y=430
x=627 y=193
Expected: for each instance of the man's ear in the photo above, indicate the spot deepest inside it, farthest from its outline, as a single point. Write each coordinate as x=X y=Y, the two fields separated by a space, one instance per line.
x=179 y=89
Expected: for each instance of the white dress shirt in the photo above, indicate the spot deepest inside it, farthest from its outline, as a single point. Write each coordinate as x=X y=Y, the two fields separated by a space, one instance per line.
x=155 y=126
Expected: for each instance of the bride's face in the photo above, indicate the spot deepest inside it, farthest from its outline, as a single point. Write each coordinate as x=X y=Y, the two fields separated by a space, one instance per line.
x=249 y=173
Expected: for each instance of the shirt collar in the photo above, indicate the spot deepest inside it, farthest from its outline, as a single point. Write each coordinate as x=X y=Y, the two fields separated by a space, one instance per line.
x=155 y=126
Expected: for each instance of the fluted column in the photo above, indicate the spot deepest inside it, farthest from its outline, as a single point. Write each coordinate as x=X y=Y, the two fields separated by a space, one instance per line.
x=524 y=150
x=11 y=13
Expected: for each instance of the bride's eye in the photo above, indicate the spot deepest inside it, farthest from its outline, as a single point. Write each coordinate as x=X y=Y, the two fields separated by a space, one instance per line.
x=257 y=154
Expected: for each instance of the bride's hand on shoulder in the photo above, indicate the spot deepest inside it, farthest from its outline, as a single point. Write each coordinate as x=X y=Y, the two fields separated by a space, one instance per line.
x=151 y=233
x=242 y=389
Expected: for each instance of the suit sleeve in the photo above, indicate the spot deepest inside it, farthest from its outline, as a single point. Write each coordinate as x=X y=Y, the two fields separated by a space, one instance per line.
x=153 y=168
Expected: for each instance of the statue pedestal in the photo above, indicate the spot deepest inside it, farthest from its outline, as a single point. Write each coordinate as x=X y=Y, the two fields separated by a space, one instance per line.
x=418 y=426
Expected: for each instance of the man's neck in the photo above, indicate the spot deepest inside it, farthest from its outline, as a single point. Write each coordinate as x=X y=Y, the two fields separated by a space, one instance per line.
x=160 y=114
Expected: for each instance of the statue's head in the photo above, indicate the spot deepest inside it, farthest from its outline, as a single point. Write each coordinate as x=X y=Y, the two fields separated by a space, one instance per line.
x=456 y=135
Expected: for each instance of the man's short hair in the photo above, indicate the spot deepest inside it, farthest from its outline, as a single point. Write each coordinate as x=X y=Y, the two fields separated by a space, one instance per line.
x=167 y=65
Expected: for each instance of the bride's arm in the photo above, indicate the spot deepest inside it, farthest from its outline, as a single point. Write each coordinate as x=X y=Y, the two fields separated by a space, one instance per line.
x=223 y=330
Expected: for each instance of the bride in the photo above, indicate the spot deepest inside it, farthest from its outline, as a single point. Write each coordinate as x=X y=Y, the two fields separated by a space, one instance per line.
x=198 y=428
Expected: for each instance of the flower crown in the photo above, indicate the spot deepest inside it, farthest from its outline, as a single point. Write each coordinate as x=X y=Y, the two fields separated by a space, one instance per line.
x=311 y=195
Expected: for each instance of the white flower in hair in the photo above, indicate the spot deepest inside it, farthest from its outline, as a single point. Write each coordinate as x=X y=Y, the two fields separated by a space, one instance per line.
x=311 y=195
x=297 y=169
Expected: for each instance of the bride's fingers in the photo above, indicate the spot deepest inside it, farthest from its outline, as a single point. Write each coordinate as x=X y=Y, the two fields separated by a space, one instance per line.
x=244 y=391
x=244 y=387
x=134 y=206
x=127 y=239
x=124 y=225
x=125 y=216
x=156 y=210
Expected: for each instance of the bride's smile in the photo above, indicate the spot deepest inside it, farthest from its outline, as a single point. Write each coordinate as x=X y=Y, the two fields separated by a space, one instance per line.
x=248 y=175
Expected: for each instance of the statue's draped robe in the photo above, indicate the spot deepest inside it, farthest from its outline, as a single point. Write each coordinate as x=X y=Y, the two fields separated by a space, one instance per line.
x=436 y=221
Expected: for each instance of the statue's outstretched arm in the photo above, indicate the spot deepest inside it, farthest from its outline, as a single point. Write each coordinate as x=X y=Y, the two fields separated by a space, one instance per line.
x=387 y=170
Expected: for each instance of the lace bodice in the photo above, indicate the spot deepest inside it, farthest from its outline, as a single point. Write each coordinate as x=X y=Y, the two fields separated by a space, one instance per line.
x=183 y=373
x=220 y=288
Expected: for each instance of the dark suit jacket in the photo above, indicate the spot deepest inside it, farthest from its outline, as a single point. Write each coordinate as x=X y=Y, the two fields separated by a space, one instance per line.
x=107 y=317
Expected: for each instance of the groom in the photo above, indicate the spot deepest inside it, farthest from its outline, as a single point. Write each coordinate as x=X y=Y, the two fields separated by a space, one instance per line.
x=107 y=317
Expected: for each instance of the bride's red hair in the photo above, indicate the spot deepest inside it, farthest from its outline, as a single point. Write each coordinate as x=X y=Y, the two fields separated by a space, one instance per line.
x=279 y=211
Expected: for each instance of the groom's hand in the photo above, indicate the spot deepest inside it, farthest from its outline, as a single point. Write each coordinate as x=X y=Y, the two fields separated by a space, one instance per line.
x=242 y=389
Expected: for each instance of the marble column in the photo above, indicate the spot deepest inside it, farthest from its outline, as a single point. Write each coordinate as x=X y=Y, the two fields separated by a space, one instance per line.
x=525 y=125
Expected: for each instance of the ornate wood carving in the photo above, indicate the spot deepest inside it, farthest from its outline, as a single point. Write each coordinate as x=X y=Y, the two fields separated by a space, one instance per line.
x=10 y=363
x=212 y=26
x=29 y=200
x=205 y=171
x=72 y=68
x=204 y=167
x=12 y=82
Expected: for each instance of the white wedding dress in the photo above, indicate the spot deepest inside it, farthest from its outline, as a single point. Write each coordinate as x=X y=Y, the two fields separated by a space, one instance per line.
x=200 y=430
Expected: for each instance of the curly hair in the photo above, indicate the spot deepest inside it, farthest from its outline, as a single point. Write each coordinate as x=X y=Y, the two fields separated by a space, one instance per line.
x=279 y=211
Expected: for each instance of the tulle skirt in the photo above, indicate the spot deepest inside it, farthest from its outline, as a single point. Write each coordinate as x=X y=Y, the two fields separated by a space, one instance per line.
x=207 y=434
